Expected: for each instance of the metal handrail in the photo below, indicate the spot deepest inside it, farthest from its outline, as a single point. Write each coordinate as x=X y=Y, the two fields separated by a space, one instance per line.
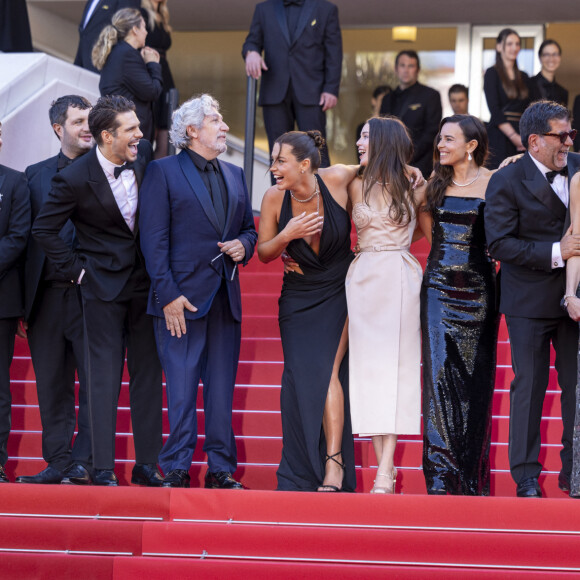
x=250 y=132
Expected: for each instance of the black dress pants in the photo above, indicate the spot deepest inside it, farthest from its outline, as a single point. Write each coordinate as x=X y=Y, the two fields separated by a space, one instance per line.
x=283 y=117
x=55 y=338
x=111 y=328
x=8 y=328
x=530 y=345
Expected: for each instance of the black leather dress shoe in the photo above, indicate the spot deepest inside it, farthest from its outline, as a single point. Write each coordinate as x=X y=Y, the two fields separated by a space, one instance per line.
x=146 y=474
x=564 y=481
x=221 y=480
x=76 y=474
x=177 y=478
x=3 y=476
x=48 y=475
x=105 y=477
x=529 y=488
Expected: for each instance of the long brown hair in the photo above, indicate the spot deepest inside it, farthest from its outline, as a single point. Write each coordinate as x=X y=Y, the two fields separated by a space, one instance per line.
x=472 y=128
x=517 y=88
x=390 y=149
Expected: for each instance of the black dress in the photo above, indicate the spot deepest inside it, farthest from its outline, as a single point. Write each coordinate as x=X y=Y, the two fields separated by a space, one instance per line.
x=503 y=110
x=160 y=40
x=312 y=315
x=459 y=321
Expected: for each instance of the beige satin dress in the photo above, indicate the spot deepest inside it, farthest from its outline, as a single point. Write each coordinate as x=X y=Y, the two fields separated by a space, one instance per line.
x=383 y=285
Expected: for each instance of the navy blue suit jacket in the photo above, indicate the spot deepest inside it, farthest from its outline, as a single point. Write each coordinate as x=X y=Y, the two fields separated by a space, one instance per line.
x=312 y=60
x=14 y=231
x=180 y=232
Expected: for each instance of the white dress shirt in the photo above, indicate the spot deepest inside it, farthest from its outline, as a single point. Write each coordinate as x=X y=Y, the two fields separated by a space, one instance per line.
x=124 y=189
x=560 y=187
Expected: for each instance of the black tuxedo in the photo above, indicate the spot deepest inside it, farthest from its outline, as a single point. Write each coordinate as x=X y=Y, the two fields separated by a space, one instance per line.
x=55 y=338
x=302 y=64
x=14 y=230
x=114 y=292
x=523 y=219
x=125 y=73
x=89 y=34
x=419 y=107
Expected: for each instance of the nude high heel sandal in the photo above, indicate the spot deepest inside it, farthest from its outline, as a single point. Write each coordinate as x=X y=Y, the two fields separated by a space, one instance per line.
x=390 y=480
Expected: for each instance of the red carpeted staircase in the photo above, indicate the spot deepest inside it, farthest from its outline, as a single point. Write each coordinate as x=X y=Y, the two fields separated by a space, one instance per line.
x=104 y=533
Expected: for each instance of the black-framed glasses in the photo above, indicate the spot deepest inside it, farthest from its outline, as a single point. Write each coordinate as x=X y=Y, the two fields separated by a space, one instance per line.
x=212 y=266
x=563 y=136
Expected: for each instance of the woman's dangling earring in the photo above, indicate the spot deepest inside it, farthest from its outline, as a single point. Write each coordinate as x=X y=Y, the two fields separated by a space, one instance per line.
x=469 y=157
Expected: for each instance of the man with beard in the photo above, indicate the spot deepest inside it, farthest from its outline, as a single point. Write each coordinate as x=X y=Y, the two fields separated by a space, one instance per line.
x=53 y=316
x=196 y=228
x=99 y=194
x=526 y=226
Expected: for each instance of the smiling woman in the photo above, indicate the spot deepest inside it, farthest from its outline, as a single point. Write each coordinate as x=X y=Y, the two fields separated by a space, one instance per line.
x=459 y=317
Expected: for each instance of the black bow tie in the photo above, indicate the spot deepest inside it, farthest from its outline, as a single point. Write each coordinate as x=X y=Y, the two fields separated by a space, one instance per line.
x=295 y=2
x=552 y=174
x=118 y=170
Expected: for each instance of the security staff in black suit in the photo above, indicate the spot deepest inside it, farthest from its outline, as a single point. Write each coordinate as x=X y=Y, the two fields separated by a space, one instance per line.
x=301 y=67
x=53 y=316
x=14 y=230
x=418 y=106
x=526 y=225
x=99 y=194
x=96 y=15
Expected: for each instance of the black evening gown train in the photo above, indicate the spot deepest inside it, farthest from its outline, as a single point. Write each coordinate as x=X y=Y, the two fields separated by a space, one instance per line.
x=312 y=315
x=459 y=322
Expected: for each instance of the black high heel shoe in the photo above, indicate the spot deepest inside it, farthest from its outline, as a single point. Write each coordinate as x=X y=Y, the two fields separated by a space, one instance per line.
x=327 y=487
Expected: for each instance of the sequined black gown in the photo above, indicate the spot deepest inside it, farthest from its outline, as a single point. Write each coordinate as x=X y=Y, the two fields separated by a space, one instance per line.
x=459 y=323
x=312 y=315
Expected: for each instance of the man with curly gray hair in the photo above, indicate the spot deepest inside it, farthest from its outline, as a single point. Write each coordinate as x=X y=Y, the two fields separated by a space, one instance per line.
x=196 y=227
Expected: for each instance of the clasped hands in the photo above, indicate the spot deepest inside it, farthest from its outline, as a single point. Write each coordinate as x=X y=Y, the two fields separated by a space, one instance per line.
x=175 y=311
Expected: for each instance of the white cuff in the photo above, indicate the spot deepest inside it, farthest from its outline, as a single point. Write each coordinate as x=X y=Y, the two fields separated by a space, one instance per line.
x=557 y=261
x=81 y=276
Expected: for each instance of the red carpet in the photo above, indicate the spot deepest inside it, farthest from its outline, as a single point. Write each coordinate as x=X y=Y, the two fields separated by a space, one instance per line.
x=54 y=531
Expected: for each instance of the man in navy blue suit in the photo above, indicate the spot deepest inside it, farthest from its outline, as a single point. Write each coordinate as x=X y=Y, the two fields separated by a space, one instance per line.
x=301 y=67
x=196 y=227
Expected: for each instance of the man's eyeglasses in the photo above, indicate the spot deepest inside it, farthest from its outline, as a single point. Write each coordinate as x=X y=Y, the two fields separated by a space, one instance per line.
x=212 y=266
x=563 y=136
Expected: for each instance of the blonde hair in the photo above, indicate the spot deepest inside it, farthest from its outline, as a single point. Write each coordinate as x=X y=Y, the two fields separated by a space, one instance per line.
x=159 y=16
x=122 y=23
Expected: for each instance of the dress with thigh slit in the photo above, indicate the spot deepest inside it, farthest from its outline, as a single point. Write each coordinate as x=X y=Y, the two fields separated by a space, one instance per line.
x=312 y=316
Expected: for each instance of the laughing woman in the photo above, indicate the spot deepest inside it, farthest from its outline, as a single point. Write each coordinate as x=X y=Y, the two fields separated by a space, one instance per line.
x=305 y=214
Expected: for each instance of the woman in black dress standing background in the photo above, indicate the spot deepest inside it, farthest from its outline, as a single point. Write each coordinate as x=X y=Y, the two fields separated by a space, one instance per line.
x=507 y=94
x=543 y=86
x=156 y=16
x=459 y=317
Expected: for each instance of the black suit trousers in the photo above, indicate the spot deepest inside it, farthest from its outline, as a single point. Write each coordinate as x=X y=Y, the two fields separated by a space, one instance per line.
x=55 y=338
x=111 y=328
x=530 y=345
x=8 y=328
x=284 y=116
